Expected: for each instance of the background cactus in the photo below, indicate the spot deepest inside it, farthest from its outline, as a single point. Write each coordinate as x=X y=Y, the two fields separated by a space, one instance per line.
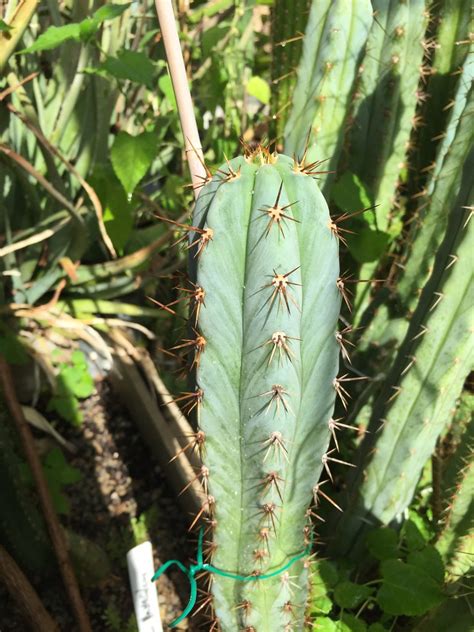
x=265 y=299
x=430 y=217
x=422 y=387
x=456 y=537
x=288 y=23
x=386 y=99
x=334 y=39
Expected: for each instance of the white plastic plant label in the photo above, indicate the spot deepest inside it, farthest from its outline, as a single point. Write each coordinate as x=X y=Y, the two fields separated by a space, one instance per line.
x=145 y=599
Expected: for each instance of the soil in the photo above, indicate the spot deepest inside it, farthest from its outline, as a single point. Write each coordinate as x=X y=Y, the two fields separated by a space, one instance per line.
x=120 y=482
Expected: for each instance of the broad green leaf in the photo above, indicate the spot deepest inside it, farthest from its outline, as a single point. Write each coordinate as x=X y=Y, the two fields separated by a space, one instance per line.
x=376 y=627
x=367 y=244
x=53 y=37
x=415 y=536
x=324 y=624
x=132 y=156
x=321 y=605
x=407 y=589
x=12 y=349
x=383 y=543
x=78 y=358
x=328 y=573
x=430 y=561
x=75 y=379
x=259 y=88
x=211 y=37
x=91 y=25
x=350 y=595
x=59 y=473
x=67 y=406
x=166 y=87
x=349 y=623
x=130 y=65
x=109 y=12
x=350 y=194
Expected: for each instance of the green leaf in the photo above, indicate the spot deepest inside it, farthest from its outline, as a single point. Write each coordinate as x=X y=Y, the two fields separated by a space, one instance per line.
x=75 y=379
x=132 y=156
x=321 y=605
x=67 y=406
x=109 y=12
x=211 y=37
x=350 y=595
x=328 y=572
x=376 y=627
x=12 y=349
x=59 y=473
x=53 y=37
x=349 y=623
x=91 y=25
x=430 y=561
x=416 y=536
x=407 y=589
x=4 y=27
x=350 y=194
x=324 y=624
x=259 y=88
x=166 y=86
x=128 y=65
x=383 y=543
x=366 y=244
x=118 y=210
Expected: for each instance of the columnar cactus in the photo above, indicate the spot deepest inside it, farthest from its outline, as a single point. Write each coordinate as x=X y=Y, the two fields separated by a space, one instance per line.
x=456 y=536
x=265 y=299
x=428 y=226
x=334 y=40
x=288 y=23
x=384 y=111
x=423 y=385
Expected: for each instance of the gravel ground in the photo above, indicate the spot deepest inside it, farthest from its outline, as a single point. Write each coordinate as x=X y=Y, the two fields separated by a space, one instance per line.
x=119 y=483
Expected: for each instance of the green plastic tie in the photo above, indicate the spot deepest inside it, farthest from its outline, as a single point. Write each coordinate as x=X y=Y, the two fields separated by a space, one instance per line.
x=201 y=566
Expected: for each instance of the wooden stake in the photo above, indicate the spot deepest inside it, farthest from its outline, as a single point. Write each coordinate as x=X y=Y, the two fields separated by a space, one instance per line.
x=177 y=69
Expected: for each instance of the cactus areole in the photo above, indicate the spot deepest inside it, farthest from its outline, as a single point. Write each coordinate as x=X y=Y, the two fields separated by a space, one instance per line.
x=264 y=304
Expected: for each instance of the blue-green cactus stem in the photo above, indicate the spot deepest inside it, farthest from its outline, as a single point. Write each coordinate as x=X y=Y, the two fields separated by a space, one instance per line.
x=334 y=39
x=422 y=387
x=384 y=110
x=269 y=317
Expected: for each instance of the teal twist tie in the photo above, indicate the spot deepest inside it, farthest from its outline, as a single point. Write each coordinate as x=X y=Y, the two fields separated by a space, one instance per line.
x=201 y=566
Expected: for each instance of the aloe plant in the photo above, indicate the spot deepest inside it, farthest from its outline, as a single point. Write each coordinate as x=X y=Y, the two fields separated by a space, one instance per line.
x=265 y=300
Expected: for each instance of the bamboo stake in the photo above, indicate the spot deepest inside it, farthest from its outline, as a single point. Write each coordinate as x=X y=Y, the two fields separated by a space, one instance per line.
x=177 y=69
x=54 y=528
x=18 y=23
